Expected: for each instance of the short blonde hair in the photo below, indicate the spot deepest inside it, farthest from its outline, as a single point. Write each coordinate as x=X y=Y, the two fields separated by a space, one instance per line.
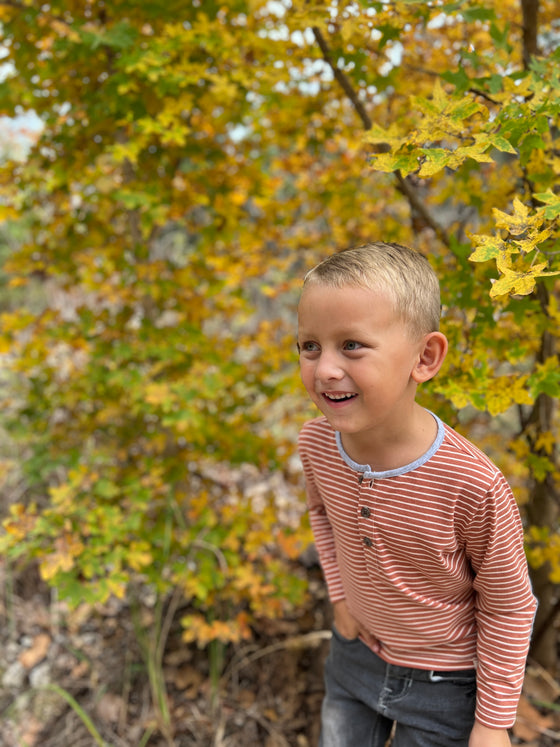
x=402 y=272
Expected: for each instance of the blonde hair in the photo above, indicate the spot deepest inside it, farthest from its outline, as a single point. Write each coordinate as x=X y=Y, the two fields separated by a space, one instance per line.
x=404 y=273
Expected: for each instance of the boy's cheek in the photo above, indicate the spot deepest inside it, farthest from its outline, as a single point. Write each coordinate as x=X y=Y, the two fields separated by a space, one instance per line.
x=307 y=376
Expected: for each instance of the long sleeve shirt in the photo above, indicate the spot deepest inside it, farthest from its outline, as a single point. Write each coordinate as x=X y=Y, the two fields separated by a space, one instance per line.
x=429 y=559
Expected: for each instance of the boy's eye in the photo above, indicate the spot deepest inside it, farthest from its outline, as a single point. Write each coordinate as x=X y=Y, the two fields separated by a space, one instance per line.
x=308 y=347
x=352 y=345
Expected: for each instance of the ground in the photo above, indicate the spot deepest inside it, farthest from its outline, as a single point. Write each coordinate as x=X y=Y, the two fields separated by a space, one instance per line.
x=79 y=679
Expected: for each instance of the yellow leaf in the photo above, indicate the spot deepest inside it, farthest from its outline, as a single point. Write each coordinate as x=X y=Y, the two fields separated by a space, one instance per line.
x=518 y=283
x=157 y=394
x=517 y=223
x=7 y=212
x=62 y=493
x=67 y=548
x=554 y=310
x=487 y=247
x=512 y=283
x=390 y=135
x=546 y=441
x=65 y=30
x=18 y=282
x=139 y=555
x=20 y=522
x=505 y=391
x=116 y=587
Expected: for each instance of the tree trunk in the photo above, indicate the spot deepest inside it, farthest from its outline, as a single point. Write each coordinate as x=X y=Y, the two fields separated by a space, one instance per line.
x=543 y=506
x=543 y=510
x=530 y=10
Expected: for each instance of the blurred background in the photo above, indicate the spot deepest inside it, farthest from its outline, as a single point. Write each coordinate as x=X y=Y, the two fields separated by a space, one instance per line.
x=168 y=173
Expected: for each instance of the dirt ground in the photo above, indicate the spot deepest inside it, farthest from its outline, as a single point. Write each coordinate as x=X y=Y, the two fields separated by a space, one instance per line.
x=80 y=680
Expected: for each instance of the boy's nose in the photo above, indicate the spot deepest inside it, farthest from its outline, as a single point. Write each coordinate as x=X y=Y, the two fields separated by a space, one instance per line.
x=328 y=368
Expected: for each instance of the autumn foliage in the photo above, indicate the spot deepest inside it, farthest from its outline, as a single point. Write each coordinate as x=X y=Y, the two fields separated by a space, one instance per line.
x=195 y=160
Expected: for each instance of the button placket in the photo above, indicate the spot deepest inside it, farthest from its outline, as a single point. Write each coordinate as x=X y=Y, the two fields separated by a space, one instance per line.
x=365 y=513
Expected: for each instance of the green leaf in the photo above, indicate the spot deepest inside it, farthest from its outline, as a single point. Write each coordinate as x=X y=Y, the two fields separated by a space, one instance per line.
x=459 y=79
x=487 y=248
x=478 y=14
x=106 y=488
x=495 y=83
x=388 y=33
x=500 y=37
x=501 y=144
x=552 y=202
x=436 y=159
x=405 y=163
x=528 y=144
x=119 y=37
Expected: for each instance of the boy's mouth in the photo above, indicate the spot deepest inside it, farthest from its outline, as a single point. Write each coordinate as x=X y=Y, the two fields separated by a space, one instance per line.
x=339 y=396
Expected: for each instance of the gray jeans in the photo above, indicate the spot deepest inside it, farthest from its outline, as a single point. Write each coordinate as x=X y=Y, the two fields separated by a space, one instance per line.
x=365 y=696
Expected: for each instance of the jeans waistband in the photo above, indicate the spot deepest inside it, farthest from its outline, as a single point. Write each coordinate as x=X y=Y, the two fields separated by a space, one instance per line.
x=429 y=675
x=435 y=676
x=386 y=669
x=422 y=675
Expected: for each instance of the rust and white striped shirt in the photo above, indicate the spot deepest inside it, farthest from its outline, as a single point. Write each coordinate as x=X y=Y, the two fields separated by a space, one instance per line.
x=429 y=558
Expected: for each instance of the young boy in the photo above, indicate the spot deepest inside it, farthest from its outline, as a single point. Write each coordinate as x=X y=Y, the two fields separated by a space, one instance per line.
x=418 y=533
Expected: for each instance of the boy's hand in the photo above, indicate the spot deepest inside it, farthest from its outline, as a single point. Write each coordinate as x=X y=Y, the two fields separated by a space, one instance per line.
x=349 y=627
x=483 y=736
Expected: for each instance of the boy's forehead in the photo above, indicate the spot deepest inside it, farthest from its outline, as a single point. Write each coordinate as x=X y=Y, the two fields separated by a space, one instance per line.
x=346 y=308
x=320 y=294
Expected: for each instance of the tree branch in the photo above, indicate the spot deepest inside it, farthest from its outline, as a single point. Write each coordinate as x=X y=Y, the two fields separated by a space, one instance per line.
x=342 y=79
x=530 y=10
x=404 y=184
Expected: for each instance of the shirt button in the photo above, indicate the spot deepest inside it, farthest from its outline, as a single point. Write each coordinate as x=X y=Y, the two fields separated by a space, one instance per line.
x=365 y=512
x=368 y=542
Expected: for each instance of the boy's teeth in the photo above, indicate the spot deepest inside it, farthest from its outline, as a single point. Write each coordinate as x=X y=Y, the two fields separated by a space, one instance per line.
x=339 y=396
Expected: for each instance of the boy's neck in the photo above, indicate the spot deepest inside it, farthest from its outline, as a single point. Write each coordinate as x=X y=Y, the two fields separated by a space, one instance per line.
x=395 y=446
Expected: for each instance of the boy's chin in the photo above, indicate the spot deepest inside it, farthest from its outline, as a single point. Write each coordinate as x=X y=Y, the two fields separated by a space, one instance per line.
x=337 y=424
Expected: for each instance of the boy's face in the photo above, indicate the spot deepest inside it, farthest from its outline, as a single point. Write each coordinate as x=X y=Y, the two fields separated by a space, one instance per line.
x=356 y=357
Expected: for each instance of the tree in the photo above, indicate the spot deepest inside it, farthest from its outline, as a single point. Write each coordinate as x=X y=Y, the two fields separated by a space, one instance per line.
x=492 y=119
x=144 y=213
x=193 y=162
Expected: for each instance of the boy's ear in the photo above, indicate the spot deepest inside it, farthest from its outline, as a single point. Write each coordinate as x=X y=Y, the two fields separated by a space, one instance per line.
x=432 y=354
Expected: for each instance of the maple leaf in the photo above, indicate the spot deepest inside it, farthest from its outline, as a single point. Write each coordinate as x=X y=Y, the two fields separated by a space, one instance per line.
x=515 y=282
x=517 y=223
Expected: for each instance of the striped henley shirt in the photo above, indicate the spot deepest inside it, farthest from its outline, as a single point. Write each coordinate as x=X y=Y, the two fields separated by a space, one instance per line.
x=429 y=558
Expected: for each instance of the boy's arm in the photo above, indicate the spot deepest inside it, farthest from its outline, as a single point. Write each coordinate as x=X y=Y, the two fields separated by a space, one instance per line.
x=322 y=532
x=483 y=736
x=504 y=609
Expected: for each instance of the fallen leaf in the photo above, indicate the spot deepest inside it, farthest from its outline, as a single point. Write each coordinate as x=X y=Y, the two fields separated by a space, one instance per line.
x=38 y=651
x=33 y=728
x=540 y=685
x=110 y=708
x=530 y=723
x=187 y=680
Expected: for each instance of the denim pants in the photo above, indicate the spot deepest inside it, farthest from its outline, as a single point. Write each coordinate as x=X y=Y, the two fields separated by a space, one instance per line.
x=365 y=696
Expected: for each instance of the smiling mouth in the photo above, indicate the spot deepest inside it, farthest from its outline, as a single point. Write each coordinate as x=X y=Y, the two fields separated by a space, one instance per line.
x=339 y=396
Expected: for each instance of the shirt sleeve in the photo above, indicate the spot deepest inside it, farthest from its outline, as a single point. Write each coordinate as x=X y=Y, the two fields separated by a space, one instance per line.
x=322 y=531
x=504 y=604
